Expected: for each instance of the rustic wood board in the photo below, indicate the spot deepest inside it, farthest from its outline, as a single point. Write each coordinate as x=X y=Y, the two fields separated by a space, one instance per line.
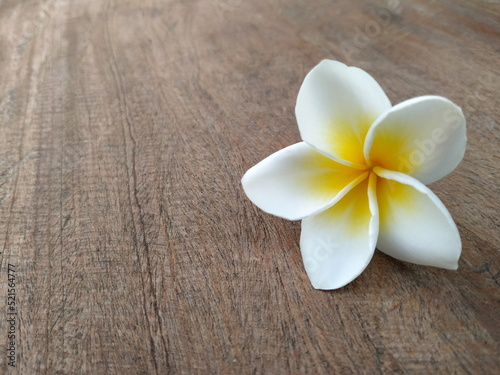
x=125 y=127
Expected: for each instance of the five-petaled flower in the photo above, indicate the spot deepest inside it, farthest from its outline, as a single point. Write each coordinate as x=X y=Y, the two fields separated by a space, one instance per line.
x=357 y=181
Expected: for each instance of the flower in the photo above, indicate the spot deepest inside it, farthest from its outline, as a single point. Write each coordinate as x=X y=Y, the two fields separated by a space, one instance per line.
x=357 y=181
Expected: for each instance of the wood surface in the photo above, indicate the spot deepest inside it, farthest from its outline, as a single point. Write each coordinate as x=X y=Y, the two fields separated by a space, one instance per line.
x=125 y=128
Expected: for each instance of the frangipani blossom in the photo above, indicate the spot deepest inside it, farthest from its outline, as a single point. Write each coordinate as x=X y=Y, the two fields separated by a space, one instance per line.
x=357 y=181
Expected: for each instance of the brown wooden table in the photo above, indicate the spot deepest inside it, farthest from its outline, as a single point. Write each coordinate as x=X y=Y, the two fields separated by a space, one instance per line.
x=125 y=128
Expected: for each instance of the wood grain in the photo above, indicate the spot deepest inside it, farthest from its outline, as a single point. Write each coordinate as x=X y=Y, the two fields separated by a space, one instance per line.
x=125 y=127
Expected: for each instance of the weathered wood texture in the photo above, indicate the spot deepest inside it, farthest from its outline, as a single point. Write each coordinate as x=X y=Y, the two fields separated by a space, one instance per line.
x=125 y=127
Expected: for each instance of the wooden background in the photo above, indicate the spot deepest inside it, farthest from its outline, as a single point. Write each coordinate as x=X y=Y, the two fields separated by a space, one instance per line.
x=125 y=127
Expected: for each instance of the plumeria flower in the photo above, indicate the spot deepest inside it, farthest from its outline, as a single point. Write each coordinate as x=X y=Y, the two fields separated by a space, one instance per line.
x=357 y=181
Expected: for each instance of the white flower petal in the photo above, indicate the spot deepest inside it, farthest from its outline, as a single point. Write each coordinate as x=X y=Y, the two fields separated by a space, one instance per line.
x=297 y=182
x=423 y=137
x=414 y=224
x=338 y=244
x=335 y=108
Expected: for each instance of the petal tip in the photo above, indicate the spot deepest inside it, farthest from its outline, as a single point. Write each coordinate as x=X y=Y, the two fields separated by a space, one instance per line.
x=322 y=285
x=451 y=266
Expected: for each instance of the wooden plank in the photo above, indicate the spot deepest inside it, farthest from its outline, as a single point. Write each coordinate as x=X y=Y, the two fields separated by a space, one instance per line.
x=125 y=127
